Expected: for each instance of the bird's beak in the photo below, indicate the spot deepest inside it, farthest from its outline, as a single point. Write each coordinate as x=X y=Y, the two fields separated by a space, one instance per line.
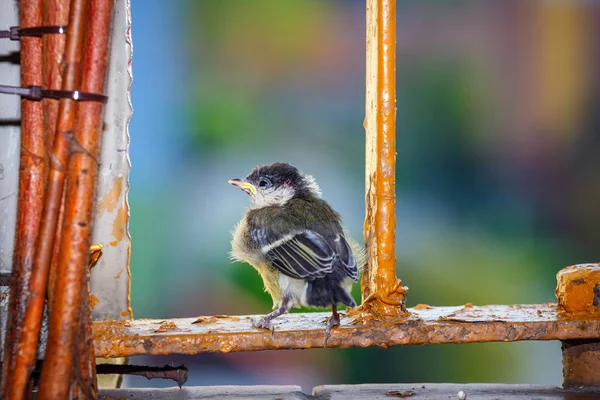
x=245 y=186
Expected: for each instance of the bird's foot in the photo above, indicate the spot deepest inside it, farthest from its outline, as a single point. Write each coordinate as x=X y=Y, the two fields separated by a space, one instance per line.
x=333 y=321
x=263 y=323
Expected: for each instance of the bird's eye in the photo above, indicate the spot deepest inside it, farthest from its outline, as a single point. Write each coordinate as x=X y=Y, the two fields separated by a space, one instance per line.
x=264 y=183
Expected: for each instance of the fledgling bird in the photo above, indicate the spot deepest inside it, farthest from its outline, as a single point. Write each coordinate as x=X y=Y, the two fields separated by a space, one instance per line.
x=295 y=241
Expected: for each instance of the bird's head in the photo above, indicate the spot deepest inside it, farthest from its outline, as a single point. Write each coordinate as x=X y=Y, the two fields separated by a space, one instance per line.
x=276 y=184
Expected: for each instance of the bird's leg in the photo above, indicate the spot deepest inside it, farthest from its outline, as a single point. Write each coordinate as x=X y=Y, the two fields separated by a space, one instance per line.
x=334 y=320
x=265 y=322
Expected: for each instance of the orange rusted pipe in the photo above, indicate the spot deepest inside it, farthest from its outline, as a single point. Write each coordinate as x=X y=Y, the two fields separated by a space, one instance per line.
x=25 y=361
x=32 y=176
x=382 y=291
x=87 y=386
x=57 y=371
x=54 y=12
x=55 y=250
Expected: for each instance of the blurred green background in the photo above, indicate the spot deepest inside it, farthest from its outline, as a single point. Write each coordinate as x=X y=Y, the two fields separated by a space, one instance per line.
x=498 y=178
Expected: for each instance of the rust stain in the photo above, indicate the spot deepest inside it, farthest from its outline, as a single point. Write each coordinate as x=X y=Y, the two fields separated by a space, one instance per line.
x=213 y=319
x=117 y=276
x=166 y=326
x=111 y=199
x=129 y=282
x=422 y=307
x=113 y=243
x=94 y=301
x=120 y=223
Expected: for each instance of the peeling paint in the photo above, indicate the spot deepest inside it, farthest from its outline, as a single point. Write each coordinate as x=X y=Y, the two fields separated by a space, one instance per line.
x=111 y=199
x=120 y=222
x=94 y=301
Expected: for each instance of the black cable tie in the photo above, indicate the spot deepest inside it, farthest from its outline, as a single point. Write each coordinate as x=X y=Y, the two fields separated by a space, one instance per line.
x=16 y=32
x=37 y=93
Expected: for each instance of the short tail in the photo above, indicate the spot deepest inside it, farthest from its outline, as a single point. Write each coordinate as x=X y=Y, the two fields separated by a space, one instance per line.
x=326 y=292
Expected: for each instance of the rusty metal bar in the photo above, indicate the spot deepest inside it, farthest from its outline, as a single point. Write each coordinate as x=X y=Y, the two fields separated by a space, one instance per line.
x=32 y=176
x=57 y=372
x=578 y=293
x=383 y=293
x=425 y=325
x=25 y=361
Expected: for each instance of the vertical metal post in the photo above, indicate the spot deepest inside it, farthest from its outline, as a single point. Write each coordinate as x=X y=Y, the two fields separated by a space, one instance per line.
x=383 y=293
x=578 y=294
x=32 y=177
x=65 y=315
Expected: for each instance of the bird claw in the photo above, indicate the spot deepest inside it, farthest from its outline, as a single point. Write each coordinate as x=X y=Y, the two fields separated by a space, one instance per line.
x=263 y=323
x=333 y=321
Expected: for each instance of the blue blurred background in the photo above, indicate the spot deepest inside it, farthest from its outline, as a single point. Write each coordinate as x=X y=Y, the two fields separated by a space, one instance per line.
x=498 y=178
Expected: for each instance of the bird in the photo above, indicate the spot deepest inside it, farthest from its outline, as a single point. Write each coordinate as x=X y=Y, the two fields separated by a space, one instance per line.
x=296 y=242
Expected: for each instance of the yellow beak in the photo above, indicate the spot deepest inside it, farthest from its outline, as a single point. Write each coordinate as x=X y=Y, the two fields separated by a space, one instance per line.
x=245 y=186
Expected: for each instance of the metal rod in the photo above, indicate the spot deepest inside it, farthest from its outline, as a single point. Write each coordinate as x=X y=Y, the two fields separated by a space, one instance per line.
x=57 y=372
x=54 y=12
x=56 y=249
x=86 y=363
x=382 y=291
x=32 y=176
x=66 y=115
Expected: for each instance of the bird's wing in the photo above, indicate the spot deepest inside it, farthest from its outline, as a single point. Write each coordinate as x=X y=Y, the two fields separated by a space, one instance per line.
x=301 y=255
x=342 y=248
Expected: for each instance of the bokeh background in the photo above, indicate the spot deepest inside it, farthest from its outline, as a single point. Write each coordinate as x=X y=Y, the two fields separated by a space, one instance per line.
x=498 y=178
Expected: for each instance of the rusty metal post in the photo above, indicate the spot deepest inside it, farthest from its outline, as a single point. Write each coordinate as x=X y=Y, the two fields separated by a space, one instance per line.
x=32 y=177
x=54 y=12
x=383 y=293
x=85 y=387
x=25 y=361
x=578 y=293
x=57 y=371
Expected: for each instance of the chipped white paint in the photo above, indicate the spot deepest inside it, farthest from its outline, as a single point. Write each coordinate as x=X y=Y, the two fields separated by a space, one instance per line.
x=110 y=278
x=10 y=115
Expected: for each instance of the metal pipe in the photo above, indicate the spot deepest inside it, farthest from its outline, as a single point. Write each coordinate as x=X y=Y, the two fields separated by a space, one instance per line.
x=32 y=176
x=57 y=372
x=25 y=361
x=54 y=13
x=382 y=291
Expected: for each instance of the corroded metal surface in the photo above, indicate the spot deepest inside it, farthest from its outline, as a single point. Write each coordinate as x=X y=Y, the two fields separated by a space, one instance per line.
x=581 y=363
x=426 y=325
x=54 y=12
x=578 y=294
x=110 y=278
x=382 y=292
x=57 y=371
x=25 y=361
x=578 y=289
x=32 y=175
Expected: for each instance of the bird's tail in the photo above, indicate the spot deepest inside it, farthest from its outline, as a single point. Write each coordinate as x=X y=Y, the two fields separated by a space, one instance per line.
x=325 y=292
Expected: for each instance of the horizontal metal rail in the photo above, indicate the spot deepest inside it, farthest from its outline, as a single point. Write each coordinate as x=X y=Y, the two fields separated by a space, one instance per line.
x=425 y=325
